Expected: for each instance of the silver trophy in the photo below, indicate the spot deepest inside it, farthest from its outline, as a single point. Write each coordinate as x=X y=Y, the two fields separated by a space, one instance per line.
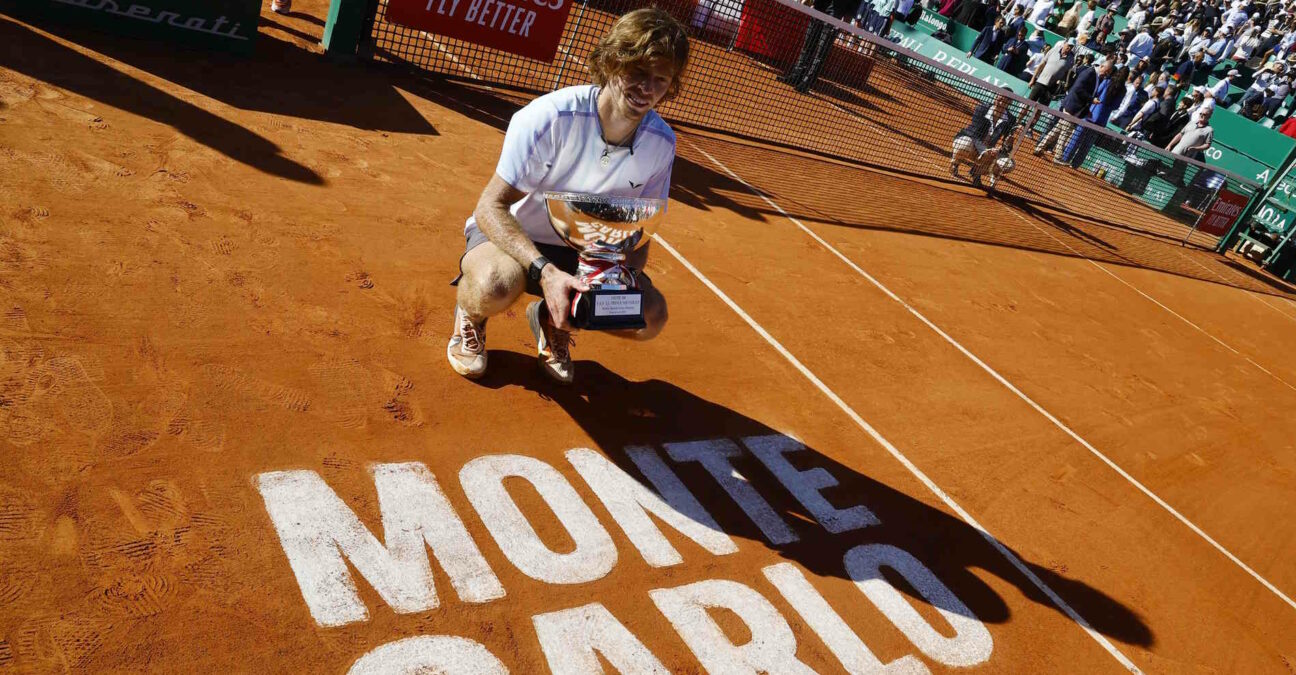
x=604 y=231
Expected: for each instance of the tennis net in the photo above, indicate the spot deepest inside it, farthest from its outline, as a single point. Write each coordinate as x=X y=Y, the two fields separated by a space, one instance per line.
x=870 y=102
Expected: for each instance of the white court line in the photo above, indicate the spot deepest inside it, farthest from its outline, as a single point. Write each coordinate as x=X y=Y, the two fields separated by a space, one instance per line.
x=1173 y=313
x=450 y=55
x=922 y=477
x=1020 y=394
x=1252 y=294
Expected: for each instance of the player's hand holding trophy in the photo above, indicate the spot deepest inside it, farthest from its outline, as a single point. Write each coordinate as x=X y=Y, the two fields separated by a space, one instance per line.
x=604 y=231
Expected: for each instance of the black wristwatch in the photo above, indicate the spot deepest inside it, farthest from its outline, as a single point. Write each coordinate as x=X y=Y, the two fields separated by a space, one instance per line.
x=537 y=266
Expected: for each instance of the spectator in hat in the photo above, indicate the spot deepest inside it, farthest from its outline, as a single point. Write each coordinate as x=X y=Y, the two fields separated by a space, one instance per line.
x=1220 y=47
x=1220 y=90
x=1267 y=82
x=1166 y=44
x=1105 y=21
x=1201 y=99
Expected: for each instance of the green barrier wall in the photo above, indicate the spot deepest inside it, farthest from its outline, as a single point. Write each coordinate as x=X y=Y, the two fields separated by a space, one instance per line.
x=922 y=42
x=220 y=24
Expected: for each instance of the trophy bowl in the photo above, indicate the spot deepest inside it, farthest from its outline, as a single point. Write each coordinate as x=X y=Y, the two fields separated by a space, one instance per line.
x=604 y=230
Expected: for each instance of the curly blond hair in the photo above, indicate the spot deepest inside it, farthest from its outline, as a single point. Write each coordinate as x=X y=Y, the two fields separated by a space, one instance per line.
x=637 y=39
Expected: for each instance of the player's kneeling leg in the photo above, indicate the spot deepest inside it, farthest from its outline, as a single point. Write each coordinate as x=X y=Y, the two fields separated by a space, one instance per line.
x=490 y=281
x=964 y=152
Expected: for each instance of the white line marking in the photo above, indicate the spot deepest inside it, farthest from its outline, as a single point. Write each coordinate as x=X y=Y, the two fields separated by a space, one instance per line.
x=1255 y=295
x=450 y=55
x=1158 y=303
x=1031 y=402
x=894 y=452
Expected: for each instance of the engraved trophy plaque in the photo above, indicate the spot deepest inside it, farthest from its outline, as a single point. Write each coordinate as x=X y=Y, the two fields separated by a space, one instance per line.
x=604 y=231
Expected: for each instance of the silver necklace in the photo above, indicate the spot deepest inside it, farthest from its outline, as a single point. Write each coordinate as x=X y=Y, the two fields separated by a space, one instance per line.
x=605 y=159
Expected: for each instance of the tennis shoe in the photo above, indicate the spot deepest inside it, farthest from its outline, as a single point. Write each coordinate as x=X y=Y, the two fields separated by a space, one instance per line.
x=552 y=344
x=466 y=350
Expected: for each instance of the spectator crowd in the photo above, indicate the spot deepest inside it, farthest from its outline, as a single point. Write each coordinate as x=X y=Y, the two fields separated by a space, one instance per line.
x=1150 y=78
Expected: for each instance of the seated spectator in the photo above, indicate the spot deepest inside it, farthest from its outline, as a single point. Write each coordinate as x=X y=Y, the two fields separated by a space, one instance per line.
x=1263 y=80
x=1219 y=48
x=1288 y=127
x=1187 y=69
x=1220 y=90
x=1247 y=44
x=1095 y=43
x=1140 y=47
x=972 y=145
x=1087 y=20
x=1254 y=109
x=1070 y=19
x=1138 y=16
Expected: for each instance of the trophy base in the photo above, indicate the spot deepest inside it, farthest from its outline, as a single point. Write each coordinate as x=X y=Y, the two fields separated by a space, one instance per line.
x=608 y=309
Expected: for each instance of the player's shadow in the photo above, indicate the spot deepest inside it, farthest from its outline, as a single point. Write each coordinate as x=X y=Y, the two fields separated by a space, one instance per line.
x=617 y=413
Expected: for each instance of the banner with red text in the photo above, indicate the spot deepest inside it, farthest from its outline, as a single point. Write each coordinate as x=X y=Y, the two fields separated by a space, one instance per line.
x=529 y=28
x=1219 y=218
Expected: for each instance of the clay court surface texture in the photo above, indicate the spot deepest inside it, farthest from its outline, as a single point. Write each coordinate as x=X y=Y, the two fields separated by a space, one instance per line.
x=893 y=422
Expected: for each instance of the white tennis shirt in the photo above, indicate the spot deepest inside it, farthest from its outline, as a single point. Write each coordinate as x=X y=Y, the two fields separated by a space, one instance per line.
x=555 y=143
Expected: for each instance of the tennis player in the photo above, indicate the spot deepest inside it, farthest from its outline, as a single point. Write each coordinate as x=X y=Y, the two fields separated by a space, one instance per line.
x=603 y=138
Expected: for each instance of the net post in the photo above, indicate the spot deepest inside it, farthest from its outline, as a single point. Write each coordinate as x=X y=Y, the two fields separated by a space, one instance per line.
x=1257 y=200
x=342 y=30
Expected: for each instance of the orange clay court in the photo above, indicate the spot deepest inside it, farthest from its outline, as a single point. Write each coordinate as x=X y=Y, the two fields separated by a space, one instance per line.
x=892 y=424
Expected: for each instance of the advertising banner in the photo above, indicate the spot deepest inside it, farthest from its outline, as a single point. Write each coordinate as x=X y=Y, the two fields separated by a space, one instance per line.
x=529 y=28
